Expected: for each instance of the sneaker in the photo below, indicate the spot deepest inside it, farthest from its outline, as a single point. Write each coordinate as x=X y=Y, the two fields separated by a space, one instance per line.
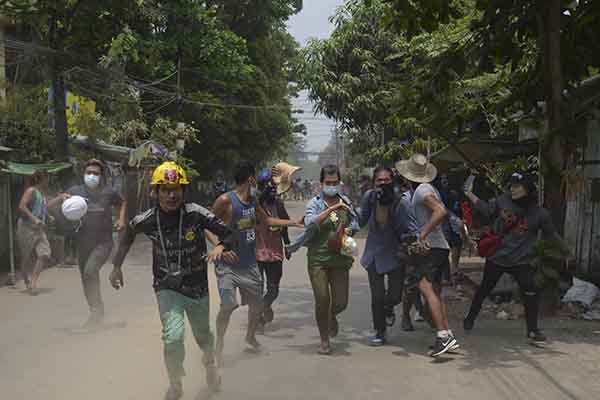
x=407 y=325
x=442 y=345
x=390 y=317
x=455 y=346
x=536 y=337
x=468 y=324
x=419 y=317
x=377 y=340
x=175 y=391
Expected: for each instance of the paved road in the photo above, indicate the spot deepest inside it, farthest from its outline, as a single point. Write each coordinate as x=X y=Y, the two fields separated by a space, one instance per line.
x=41 y=358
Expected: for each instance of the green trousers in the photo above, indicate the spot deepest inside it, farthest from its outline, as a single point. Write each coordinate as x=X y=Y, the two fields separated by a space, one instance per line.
x=172 y=307
x=330 y=287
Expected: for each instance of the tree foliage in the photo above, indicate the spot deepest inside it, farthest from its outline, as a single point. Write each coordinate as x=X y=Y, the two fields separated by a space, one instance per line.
x=223 y=67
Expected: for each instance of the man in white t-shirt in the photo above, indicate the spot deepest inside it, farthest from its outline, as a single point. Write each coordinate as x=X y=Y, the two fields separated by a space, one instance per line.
x=429 y=213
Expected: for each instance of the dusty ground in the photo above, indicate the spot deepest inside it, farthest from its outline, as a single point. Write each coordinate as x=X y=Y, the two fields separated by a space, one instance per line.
x=41 y=357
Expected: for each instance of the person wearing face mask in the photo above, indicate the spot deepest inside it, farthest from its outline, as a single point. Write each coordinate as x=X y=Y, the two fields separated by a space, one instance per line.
x=389 y=218
x=517 y=218
x=241 y=211
x=95 y=235
x=328 y=268
x=269 y=246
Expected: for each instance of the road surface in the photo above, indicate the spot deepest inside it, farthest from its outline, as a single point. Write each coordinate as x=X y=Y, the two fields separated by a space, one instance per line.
x=42 y=358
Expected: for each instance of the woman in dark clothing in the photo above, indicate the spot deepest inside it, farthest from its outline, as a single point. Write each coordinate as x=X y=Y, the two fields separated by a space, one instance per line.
x=517 y=220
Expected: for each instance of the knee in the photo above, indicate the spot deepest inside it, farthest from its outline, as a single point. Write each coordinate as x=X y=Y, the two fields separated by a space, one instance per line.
x=173 y=331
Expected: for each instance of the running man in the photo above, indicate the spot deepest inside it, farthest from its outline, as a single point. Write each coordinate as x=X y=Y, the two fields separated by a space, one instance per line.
x=95 y=236
x=240 y=210
x=430 y=212
x=179 y=266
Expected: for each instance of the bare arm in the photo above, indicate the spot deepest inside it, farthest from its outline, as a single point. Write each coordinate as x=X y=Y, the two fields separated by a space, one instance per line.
x=123 y=213
x=487 y=209
x=58 y=199
x=223 y=209
x=24 y=209
x=439 y=213
x=270 y=221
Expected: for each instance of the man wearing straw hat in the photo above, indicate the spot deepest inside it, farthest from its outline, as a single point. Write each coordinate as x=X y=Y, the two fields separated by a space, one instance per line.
x=272 y=183
x=429 y=212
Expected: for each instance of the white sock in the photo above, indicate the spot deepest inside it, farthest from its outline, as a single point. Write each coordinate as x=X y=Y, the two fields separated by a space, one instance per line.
x=442 y=334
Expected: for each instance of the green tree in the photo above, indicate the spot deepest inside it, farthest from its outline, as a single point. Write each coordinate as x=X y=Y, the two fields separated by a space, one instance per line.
x=62 y=31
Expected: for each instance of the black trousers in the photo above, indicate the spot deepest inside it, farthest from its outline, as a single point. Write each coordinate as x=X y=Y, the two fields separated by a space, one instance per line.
x=524 y=275
x=384 y=299
x=272 y=273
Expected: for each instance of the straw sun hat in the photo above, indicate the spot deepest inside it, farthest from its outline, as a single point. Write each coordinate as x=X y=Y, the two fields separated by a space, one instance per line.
x=282 y=176
x=417 y=169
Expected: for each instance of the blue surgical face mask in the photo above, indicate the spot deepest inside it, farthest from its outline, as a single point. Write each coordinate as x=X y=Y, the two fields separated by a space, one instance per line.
x=91 y=181
x=252 y=191
x=331 y=191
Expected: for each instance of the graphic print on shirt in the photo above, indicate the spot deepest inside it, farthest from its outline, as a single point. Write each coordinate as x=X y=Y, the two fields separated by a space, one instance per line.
x=511 y=219
x=247 y=223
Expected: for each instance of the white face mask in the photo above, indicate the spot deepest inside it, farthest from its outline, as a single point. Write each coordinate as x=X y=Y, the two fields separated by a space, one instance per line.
x=91 y=181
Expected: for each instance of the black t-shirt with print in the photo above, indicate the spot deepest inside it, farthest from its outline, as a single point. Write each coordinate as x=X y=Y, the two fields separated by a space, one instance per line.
x=97 y=224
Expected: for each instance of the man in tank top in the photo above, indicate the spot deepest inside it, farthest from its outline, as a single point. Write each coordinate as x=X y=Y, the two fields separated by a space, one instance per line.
x=241 y=211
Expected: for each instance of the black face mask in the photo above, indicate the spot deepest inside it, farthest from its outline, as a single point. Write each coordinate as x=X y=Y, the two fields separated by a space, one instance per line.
x=385 y=194
x=268 y=193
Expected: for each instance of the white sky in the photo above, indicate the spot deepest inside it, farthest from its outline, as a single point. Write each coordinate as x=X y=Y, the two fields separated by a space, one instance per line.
x=313 y=22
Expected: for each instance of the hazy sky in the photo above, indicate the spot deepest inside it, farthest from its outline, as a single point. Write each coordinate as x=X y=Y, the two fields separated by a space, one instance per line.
x=313 y=21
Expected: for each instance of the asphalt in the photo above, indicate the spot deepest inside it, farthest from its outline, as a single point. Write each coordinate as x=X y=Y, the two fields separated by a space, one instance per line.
x=43 y=357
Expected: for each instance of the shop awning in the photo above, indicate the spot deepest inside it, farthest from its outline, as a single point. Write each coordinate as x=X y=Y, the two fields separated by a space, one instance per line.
x=28 y=169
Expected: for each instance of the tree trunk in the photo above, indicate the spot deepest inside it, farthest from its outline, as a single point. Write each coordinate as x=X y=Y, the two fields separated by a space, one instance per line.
x=554 y=150
x=60 y=114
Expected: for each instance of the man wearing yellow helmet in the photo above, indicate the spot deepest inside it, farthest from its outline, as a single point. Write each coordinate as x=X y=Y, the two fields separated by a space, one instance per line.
x=179 y=266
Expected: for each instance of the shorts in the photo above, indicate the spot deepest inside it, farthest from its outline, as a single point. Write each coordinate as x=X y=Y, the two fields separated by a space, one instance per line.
x=247 y=280
x=433 y=266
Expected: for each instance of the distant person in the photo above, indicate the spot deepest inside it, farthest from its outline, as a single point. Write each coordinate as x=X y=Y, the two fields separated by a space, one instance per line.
x=31 y=235
x=95 y=236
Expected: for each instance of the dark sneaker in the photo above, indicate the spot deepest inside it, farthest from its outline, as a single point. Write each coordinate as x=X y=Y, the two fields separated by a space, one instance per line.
x=377 y=340
x=537 y=337
x=175 y=392
x=390 y=317
x=442 y=345
x=407 y=324
x=468 y=324
x=455 y=346
x=268 y=315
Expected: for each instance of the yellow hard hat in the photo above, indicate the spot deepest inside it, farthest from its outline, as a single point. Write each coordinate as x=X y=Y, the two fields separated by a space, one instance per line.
x=169 y=173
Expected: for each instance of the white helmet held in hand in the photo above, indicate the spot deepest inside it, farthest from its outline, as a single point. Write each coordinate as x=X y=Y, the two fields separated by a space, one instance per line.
x=349 y=247
x=74 y=208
